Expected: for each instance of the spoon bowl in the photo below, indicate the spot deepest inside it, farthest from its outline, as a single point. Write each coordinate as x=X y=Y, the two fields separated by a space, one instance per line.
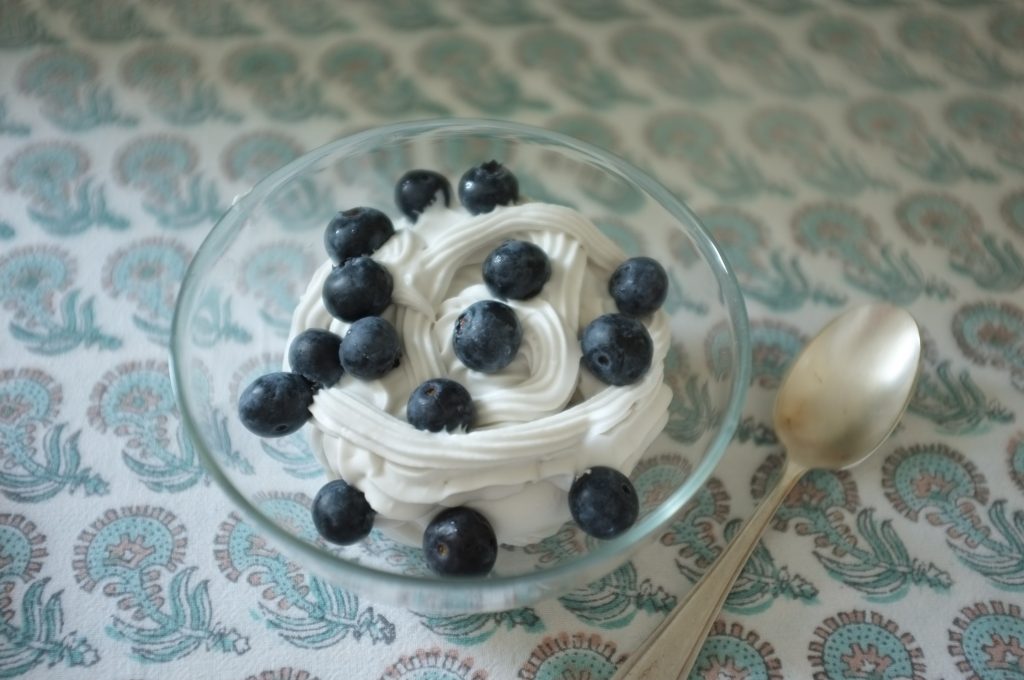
x=839 y=401
x=846 y=392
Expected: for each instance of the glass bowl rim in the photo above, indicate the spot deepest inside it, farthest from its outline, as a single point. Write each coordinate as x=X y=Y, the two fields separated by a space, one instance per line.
x=331 y=565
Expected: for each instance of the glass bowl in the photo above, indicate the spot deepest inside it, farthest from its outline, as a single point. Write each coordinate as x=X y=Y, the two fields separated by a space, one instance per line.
x=235 y=306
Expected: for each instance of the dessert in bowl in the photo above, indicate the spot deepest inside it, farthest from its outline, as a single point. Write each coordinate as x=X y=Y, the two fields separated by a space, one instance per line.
x=542 y=420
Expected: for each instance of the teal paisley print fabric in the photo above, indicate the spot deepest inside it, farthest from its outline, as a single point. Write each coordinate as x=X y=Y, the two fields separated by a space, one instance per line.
x=839 y=151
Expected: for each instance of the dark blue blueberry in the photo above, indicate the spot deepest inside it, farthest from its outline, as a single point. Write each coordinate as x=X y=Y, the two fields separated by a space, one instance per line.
x=617 y=349
x=639 y=286
x=487 y=185
x=359 y=287
x=417 y=190
x=370 y=348
x=516 y=270
x=341 y=514
x=357 y=231
x=276 y=404
x=440 y=404
x=603 y=502
x=460 y=542
x=487 y=336
x=313 y=354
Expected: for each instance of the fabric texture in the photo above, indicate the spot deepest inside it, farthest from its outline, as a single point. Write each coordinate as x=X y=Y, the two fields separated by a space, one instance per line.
x=841 y=151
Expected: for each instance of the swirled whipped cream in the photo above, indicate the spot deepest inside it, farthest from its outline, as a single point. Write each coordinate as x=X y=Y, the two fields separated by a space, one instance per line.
x=540 y=422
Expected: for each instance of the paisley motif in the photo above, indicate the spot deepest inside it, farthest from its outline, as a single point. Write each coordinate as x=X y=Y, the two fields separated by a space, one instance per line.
x=859 y=644
x=566 y=655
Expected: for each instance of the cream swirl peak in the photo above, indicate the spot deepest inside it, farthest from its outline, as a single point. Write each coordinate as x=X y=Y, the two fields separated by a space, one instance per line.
x=541 y=421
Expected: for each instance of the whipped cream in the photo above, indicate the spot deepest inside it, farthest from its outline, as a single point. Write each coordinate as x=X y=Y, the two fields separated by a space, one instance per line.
x=540 y=422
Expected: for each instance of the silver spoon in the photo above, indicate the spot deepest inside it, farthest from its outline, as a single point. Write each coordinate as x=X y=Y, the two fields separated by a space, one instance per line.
x=842 y=397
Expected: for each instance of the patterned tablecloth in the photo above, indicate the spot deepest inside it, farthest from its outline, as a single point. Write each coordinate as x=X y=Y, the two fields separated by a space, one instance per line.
x=840 y=150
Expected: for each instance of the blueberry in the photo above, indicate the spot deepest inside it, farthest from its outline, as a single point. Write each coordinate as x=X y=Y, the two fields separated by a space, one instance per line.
x=440 y=404
x=460 y=542
x=603 y=502
x=617 y=349
x=370 y=348
x=313 y=354
x=357 y=231
x=639 y=286
x=487 y=336
x=486 y=185
x=516 y=270
x=275 y=404
x=359 y=287
x=417 y=190
x=341 y=514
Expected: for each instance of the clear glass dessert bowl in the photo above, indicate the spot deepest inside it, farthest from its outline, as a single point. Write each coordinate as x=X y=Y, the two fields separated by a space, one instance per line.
x=235 y=310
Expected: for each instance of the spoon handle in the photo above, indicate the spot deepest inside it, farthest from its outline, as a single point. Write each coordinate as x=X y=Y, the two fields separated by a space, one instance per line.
x=673 y=648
